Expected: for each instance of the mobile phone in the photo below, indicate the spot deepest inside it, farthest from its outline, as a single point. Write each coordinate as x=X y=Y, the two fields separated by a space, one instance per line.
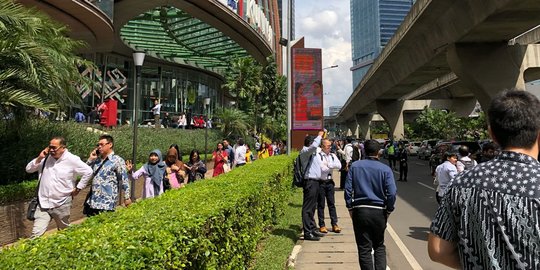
x=97 y=152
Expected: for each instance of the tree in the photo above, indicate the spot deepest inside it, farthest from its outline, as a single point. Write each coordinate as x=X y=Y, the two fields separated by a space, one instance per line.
x=233 y=122
x=260 y=92
x=38 y=65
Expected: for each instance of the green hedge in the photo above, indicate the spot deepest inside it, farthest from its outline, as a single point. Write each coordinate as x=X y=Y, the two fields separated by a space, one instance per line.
x=22 y=145
x=210 y=224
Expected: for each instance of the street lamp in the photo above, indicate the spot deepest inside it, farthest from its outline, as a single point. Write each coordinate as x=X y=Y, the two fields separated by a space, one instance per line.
x=138 y=59
x=206 y=107
x=333 y=66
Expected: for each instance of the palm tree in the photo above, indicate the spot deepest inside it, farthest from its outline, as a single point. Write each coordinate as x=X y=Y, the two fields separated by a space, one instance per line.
x=38 y=66
x=233 y=122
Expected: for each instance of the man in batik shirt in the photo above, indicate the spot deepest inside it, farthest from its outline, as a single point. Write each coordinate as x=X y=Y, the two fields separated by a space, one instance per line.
x=110 y=172
x=489 y=216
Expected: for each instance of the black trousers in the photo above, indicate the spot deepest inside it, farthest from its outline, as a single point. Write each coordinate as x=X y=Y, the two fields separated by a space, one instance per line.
x=403 y=170
x=369 y=226
x=311 y=194
x=326 y=194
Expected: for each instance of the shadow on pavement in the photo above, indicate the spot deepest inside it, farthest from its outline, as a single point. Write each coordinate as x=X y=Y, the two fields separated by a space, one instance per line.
x=420 y=233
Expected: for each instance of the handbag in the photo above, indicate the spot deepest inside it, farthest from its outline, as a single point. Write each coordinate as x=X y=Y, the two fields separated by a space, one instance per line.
x=226 y=167
x=32 y=206
x=87 y=210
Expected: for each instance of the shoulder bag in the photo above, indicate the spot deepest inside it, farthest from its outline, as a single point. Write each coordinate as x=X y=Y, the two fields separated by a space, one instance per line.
x=86 y=206
x=32 y=206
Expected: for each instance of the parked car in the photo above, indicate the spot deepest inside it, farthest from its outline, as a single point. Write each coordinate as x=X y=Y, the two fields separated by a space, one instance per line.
x=412 y=148
x=424 y=151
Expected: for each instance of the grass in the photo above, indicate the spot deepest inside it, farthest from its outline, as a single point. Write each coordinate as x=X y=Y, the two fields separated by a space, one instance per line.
x=276 y=248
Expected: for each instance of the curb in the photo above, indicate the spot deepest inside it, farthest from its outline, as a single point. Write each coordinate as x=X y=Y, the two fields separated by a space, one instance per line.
x=294 y=253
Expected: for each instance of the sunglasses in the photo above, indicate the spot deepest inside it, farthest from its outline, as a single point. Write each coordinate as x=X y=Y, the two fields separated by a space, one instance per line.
x=54 y=147
x=101 y=144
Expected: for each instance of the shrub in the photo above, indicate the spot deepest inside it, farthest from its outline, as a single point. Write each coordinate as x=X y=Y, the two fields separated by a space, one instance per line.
x=24 y=144
x=210 y=224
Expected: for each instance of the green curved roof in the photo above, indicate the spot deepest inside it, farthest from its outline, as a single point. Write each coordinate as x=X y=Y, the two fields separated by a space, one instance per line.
x=171 y=34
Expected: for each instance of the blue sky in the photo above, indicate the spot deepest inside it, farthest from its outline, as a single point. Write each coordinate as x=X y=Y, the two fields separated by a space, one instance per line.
x=326 y=25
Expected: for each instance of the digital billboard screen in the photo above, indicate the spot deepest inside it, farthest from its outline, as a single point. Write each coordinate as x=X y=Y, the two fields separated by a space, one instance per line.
x=307 y=89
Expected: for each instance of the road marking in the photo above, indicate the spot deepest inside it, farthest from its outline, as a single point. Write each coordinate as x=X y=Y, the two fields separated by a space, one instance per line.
x=424 y=185
x=410 y=258
x=421 y=164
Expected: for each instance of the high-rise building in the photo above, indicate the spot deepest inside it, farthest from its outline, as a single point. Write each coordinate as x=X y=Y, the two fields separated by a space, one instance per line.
x=373 y=23
x=283 y=17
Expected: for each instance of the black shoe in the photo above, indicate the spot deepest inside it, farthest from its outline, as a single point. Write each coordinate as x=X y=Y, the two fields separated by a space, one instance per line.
x=399 y=180
x=311 y=237
x=318 y=234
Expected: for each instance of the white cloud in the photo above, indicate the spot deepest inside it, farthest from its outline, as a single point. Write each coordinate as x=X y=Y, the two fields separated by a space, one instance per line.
x=326 y=25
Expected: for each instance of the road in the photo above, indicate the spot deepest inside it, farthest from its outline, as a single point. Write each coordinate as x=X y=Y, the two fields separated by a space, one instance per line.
x=406 y=236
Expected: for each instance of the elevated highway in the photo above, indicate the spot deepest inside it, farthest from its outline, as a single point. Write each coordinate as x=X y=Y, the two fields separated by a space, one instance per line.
x=461 y=38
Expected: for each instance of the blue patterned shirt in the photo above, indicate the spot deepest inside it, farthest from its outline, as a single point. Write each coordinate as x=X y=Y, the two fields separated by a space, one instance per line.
x=492 y=212
x=105 y=183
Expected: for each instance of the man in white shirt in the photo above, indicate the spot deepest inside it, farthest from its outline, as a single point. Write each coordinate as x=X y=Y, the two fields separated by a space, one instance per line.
x=58 y=169
x=327 y=162
x=240 y=153
x=156 y=110
x=465 y=162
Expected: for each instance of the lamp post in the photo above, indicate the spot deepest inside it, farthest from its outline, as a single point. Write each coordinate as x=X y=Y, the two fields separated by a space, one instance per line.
x=332 y=66
x=138 y=59
x=206 y=108
x=289 y=77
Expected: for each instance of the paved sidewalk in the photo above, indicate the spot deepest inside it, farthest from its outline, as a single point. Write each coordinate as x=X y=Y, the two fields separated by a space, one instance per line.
x=334 y=250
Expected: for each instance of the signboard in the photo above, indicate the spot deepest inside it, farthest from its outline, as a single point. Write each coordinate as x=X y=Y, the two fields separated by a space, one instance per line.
x=307 y=89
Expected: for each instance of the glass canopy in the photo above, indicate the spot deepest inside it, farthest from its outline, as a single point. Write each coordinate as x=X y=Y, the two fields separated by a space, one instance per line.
x=173 y=35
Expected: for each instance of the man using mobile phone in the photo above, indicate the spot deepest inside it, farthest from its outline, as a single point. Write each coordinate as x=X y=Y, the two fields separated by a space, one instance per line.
x=58 y=169
x=110 y=172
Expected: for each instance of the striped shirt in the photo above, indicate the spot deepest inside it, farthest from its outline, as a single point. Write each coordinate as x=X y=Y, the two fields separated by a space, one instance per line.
x=492 y=213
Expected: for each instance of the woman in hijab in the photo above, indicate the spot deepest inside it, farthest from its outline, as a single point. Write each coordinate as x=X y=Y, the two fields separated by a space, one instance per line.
x=153 y=172
x=175 y=167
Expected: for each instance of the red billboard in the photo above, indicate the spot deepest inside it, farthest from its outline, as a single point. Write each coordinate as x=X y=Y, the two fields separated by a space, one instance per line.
x=307 y=89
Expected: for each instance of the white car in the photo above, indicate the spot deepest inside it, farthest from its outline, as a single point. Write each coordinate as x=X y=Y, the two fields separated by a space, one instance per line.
x=412 y=148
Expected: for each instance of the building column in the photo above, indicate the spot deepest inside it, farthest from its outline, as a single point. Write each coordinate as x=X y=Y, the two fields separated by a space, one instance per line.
x=392 y=112
x=363 y=121
x=489 y=68
x=352 y=128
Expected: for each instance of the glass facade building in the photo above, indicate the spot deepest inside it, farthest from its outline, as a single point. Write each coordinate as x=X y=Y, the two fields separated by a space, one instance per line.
x=373 y=23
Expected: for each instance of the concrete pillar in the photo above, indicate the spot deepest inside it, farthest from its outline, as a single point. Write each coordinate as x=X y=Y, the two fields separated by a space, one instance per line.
x=392 y=112
x=352 y=127
x=488 y=68
x=364 y=121
x=463 y=107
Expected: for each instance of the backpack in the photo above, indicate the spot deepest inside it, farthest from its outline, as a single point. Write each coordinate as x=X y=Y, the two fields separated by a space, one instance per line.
x=300 y=170
x=469 y=164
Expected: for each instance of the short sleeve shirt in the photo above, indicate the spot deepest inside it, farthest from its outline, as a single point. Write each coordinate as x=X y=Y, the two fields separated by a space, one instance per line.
x=492 y=213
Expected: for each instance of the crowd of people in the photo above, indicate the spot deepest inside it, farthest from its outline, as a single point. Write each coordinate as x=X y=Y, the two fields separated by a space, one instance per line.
x=109 y=175
x=488 y=214
x=488 y=210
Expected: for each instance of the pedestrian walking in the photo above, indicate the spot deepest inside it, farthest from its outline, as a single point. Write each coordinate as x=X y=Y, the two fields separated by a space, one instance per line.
x=444 y=173
x=58 y=169
x=154 y=173
x=110 y=175
x=403 y=158
x=370 y=195
x=489 y=217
